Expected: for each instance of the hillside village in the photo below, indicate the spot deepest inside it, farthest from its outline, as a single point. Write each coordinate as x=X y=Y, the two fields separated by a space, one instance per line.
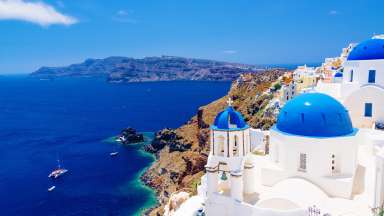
x=249 y=179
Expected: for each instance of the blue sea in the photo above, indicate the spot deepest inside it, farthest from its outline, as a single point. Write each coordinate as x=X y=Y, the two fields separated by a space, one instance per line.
x=70 y=119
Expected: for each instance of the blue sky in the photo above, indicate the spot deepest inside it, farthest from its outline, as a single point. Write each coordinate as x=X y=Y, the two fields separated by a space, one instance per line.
x=61 y=32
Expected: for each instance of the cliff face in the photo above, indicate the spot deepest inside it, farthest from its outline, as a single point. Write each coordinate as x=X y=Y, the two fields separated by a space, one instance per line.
x=181 y=168
x=165 y=68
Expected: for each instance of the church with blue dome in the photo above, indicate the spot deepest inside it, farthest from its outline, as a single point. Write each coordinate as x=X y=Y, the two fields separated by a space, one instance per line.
x=312 y=144
x=362 y=85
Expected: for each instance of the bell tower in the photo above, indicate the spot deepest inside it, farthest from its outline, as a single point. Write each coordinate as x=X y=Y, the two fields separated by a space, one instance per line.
x=229 y=145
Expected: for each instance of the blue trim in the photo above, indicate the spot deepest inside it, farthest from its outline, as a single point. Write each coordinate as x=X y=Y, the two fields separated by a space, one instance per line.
x=353 y=133
x=338 y=74
x=213 y=127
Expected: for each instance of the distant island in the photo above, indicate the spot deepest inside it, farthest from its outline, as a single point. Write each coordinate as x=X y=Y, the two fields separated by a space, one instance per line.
x=164 y=68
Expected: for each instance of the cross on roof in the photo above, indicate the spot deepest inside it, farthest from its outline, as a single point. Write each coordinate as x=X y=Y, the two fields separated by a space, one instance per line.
x=229 y=101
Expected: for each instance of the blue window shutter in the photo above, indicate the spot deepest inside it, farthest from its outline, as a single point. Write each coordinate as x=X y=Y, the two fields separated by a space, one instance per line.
x=372 y=76
x=368 y=110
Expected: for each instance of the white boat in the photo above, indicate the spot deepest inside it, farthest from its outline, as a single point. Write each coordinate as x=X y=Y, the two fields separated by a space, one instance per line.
x=56 y=173
x=51 y=188
x=113 y=153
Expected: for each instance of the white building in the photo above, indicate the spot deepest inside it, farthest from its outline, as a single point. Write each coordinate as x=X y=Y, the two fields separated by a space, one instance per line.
x=323 y=154
x=303 y=71
x=287 y=92
x=304 y=78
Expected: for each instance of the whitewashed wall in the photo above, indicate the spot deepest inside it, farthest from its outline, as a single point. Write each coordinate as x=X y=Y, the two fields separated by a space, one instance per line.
x=286 y=149
x=355 y=104
x=361 y=69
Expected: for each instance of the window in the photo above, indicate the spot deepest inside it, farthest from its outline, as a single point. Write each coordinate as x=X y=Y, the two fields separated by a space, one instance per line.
x=236 y=147
x=323 y=117
x=220 y=143
x=334 y=167
x=303 y=162
x=372 y=76
x=351 y=76
x=368 y=110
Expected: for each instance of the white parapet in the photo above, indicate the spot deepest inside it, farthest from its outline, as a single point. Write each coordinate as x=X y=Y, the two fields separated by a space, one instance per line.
x=377 y=198
x=237 y=186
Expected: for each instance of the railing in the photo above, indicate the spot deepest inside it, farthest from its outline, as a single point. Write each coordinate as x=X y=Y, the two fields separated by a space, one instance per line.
x=314 y=211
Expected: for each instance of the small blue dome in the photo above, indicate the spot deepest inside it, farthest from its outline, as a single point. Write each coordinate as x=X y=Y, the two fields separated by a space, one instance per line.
x=314 y=115
x=338 y=74
x=229 y=119
x=368 y=50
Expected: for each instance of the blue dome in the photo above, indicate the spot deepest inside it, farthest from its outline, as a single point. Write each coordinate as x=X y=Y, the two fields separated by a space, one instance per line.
x=229 y=119
x=338 y=74
x=368 y=50
x=314 y=115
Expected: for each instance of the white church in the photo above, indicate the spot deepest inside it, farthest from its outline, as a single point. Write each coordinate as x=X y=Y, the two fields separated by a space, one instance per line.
x=324 y=156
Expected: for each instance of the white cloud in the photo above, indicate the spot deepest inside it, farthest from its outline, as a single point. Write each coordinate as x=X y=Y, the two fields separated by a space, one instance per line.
x=229 y=52
x=124 y=16
x=333 y=12
x=35 y=12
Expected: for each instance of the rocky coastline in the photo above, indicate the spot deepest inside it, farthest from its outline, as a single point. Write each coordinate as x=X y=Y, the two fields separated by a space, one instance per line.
x=181 y=153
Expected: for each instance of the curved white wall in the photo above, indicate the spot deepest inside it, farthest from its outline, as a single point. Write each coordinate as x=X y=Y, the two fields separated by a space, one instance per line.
x=355 y=103
x=286 y=154
x=225 y=206
x=319 y=153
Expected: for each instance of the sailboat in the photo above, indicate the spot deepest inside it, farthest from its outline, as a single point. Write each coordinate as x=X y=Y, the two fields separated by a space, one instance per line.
x=56 y=173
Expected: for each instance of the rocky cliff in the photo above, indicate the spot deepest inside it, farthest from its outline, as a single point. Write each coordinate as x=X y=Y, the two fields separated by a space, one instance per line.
x=164 y=68
x=182 y=153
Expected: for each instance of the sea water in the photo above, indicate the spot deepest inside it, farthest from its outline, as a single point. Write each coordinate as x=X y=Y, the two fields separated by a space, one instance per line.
x=69 y=119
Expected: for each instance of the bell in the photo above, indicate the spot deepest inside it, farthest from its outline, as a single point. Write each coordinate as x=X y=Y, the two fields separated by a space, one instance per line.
x=223 y=176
